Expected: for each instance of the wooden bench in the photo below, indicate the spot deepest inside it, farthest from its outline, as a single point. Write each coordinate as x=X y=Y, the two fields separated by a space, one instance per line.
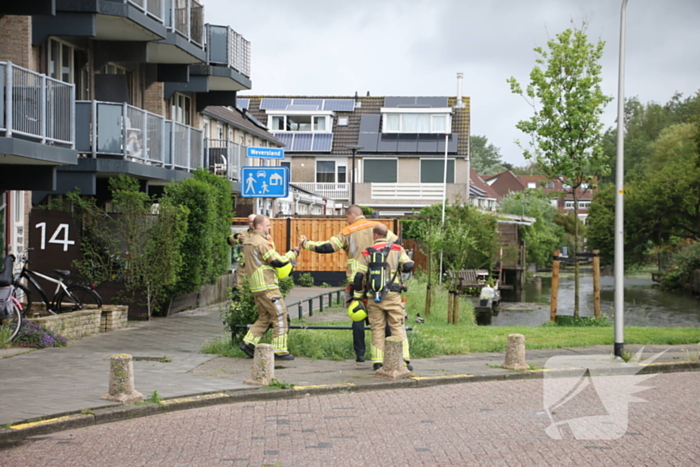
x=470 y=278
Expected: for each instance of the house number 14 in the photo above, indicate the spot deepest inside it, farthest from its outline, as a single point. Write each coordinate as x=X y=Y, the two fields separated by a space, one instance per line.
x=62 y=229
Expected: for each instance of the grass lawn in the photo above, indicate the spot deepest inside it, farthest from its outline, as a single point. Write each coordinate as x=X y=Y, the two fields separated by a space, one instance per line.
x=436 y=337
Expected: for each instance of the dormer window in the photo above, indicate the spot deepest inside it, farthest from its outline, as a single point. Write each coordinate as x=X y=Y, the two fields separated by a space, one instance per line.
x=300 y=122
x=416 y=120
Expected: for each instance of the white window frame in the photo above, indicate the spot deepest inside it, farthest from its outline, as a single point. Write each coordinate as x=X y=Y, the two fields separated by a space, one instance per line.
x=338 y=163
x=282 y=115
x=568 y=204
x=431 y=111
x=57 y=73
x=179 y=109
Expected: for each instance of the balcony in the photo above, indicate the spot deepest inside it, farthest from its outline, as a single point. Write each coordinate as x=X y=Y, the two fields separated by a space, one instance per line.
x=184 y=44
x=407 y=191
x=103 y=20
x=223 y=157
x=37 y=128
x=121 y=131
x=36 y=107
x=336 y=191
x=228 y=48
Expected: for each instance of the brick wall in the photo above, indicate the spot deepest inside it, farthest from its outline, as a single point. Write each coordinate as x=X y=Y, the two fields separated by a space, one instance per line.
x=72 y=325
x=15 y=40
x=153 y=98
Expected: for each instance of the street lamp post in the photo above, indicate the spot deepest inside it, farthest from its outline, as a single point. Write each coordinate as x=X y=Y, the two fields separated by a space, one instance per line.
x=354 y=150
x=619 y=197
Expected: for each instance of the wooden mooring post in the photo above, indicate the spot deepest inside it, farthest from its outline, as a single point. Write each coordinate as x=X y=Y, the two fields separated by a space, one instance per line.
x=555 y=287
x=596 y=283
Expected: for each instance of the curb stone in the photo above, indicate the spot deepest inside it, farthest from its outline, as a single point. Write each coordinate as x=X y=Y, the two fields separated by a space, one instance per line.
x=18 y=432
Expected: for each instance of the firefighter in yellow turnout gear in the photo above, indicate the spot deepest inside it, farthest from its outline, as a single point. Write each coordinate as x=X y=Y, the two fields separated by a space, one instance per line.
x=353 y=239
x=381 y=284
x=261 y=261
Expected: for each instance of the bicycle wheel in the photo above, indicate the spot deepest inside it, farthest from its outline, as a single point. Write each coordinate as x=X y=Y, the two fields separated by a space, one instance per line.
x=79 y=297
x=24 y=297
x=9 y=327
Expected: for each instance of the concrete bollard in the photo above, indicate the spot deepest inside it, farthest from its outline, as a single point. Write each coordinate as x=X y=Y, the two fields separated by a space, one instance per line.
x=393 y=366
x=121 y=380
x=515 y=353
x=263 y=371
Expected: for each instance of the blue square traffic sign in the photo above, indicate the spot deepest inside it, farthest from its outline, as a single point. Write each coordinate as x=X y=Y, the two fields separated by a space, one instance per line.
x=264 y=182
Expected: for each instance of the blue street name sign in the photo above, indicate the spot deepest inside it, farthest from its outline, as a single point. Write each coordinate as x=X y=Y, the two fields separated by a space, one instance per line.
x=266 y=153
x=264 y=182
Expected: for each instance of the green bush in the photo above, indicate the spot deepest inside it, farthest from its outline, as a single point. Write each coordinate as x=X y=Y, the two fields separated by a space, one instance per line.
x=205 y=253
x=679 y=274
x=305 y=280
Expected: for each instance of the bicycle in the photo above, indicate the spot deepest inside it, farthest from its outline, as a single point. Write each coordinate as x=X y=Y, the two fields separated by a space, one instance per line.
x=66 y=298
x=10 y=308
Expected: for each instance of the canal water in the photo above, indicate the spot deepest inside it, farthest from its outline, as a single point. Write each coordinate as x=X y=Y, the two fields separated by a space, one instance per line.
x=645 y=304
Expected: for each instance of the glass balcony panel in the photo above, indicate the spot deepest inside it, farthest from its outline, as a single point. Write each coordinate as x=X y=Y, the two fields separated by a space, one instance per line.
x=109 y=128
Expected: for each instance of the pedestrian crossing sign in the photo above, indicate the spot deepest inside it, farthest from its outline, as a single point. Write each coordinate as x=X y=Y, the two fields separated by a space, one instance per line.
x=264 y=182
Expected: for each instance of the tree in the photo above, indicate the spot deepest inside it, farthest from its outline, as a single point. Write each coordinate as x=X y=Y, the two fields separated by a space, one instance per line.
x=485 y=158
x=568 y=102
x=542 y=237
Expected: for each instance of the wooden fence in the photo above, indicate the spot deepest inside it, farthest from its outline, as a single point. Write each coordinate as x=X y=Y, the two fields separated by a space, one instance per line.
x=286 y=232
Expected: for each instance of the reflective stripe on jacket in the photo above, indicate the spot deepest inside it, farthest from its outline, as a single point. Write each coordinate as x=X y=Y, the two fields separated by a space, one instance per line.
x=259 y=252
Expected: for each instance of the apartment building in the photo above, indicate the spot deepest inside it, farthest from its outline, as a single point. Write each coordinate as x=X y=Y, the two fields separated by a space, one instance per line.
x=387 y=153
x=91 y=89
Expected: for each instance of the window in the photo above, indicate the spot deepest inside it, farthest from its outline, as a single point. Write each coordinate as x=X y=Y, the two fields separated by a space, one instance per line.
x=430 y=120
x=61 y=61
x=433 y=171
x=568 y=205
x=343 y=121
x=331 y=172
x=380 y=171
x=181 y=106
x=532 y=185
x=306 y=123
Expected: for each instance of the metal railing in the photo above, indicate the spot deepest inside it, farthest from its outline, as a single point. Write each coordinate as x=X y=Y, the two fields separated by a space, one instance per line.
x=186 y=147
x=423 y=191
x=337 y=191
x=36 y=106
x=125 y=131
x=153 y=8
x=226 y=47
x=187 y=19
x=223 y=157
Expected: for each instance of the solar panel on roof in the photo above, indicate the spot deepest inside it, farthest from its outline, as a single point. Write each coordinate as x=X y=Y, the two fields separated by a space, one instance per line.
x=315 y=102
x=302 y=142
x=322 y=142
x=343 y=105
x=242 y=103
x=285 y=138
x=274 y=103
x=302 y=107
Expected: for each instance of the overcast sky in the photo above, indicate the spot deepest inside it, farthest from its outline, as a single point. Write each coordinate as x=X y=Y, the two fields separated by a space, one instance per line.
x=416 y=47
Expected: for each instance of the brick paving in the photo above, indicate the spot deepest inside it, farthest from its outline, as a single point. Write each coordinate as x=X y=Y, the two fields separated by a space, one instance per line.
x=486 y=423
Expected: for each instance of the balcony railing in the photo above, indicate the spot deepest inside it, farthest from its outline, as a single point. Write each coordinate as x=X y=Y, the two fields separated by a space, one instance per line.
x=223 y=157
x=337 y=191
x=124 y=131
x=36 y=106
x=226 y=47
x=153 y=8
x=407 y=191
x=187 y=19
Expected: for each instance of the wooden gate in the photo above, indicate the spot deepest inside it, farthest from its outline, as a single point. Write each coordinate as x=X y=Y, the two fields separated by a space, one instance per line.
x=286 y=233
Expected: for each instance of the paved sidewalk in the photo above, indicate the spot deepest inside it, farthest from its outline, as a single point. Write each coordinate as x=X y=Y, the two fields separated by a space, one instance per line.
x=52 y=382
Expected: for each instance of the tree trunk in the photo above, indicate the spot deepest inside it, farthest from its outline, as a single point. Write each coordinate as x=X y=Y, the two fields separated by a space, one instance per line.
x=576 y=268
